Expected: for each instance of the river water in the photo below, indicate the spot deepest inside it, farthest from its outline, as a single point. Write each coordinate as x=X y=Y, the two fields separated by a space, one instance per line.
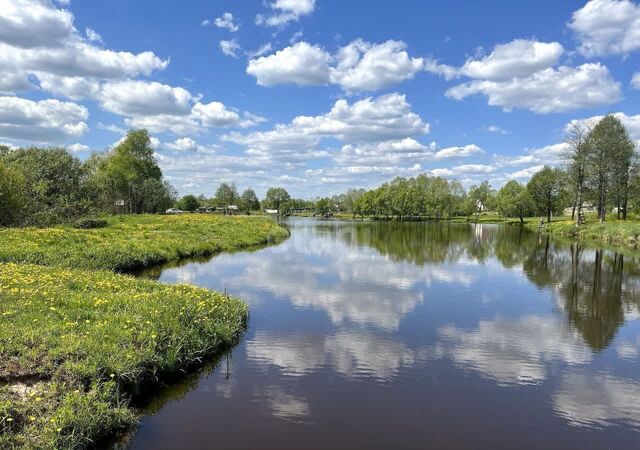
x=414 y=336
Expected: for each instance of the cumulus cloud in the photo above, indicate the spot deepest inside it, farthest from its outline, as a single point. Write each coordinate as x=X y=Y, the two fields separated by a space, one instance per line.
x=77 y=147
x=38 y=39
x=47 y=121
x=358 y=66
x=605 y=27
x=230 y=47
x=302 y=64
x=131 y=98
x=518 y=58
x=458 y=152
x=384 y=118
x=186 y=144
x=635 y=80
x=362 y=66
x=547 y=91
x=286 y=11
x=496 y=129
x=227 y=21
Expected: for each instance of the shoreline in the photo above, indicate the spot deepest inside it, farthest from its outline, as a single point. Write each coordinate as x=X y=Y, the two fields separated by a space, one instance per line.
x=82 y=343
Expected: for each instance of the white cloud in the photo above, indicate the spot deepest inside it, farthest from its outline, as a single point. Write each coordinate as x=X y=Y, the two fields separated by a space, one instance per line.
x=358 y=66
x=516 y=59
x=227 y=21
x=606 y=27
x=635 y=80
x=465 y=169
x=12 y=82
x=92 y=35
x=144 y=98
x=36 y=38
x=286 y=11
x=362 y=66
x=388 y=117
x=458 y=152
x=77 y=148
x=41 y=121
x=394 y=152
x=496 y=129
x=302 y=64
x=263 y=49
x=75 y=88
x=230 y=47
x=547 y=91
x=187 y=144
x=34 y=23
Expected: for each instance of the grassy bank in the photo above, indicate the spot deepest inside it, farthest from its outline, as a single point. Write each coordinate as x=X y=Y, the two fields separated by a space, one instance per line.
x=77 y=344
x=615 y=232
x=133 y=242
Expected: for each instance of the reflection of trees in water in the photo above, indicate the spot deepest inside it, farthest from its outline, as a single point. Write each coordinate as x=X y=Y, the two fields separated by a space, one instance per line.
x=595 y=287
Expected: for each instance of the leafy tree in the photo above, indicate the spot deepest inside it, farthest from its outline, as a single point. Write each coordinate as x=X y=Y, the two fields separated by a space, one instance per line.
x=547 y=191
x=514 y=200
x=249 y=201
x=275 y=197
x=129 y=173
x=608 y=144
x=53 y=185
x=11 y=194
x=226 y=194
x=480 y=198
x=577 y=140
x=323 y=206
x=188 y=203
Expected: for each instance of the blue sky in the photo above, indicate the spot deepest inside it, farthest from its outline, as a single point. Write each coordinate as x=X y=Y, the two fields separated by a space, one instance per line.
x=319 y=96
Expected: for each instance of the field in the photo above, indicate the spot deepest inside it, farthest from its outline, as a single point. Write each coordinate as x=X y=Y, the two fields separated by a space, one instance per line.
x=133 y=242
x=77 y=344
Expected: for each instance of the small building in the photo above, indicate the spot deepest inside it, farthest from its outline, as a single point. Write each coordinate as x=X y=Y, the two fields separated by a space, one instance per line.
x=232 y=210
x=271 y=211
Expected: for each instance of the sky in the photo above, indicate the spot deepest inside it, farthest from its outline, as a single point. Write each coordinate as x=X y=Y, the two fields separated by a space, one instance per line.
x=319 y=96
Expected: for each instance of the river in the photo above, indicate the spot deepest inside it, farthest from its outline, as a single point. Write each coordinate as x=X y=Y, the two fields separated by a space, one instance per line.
x=411 y=336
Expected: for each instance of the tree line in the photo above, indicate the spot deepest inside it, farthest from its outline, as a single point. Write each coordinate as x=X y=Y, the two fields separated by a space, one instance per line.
x=602 y=173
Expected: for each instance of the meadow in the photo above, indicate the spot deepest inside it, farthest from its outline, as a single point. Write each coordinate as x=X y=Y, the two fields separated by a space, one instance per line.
x=136 y=241
x=78 y=343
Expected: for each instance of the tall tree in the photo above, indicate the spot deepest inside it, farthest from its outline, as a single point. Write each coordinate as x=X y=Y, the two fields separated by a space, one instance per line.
x=12 y=198
x=547 y=191
x=226 y=195
x=249 y=201
x=514 y=200
x=578 y=143
x=623 y=157
x=608 y=142
x=275 y=197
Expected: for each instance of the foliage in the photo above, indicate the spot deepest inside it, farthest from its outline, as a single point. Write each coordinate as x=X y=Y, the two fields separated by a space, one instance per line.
x=249 y=201
x=226 y=194
x=131 y=242
x=53 y=189
x=275 y=197
x=12 y=199
x=514 y=200
x=188 y=203
x=547 y=190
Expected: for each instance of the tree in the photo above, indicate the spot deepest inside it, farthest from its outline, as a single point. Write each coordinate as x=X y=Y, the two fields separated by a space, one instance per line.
x=129 y=173
x=12 y=197
x=249 y=201
x=323 y=206
x=480 y=198
x=275 y=197
x=608 y=159
x=578 y=143
x=53 y=185
x=623 y=157
x=514 y=200
x=547 y=191
x=227 y=194
x=188 y=203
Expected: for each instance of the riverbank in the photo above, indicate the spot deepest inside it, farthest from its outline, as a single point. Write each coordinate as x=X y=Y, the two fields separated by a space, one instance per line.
x=78 y=344
x=623 y=233
x=135 y=242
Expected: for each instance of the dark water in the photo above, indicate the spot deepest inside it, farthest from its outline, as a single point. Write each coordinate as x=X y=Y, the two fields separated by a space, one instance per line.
x=414 y=336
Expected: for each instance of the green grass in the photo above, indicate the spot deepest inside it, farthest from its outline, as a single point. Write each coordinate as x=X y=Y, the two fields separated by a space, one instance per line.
x=616 y=232
x=134 y=242
x=78 y=343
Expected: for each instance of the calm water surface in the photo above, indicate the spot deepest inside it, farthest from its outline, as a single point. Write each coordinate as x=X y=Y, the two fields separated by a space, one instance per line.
x=414 y=336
